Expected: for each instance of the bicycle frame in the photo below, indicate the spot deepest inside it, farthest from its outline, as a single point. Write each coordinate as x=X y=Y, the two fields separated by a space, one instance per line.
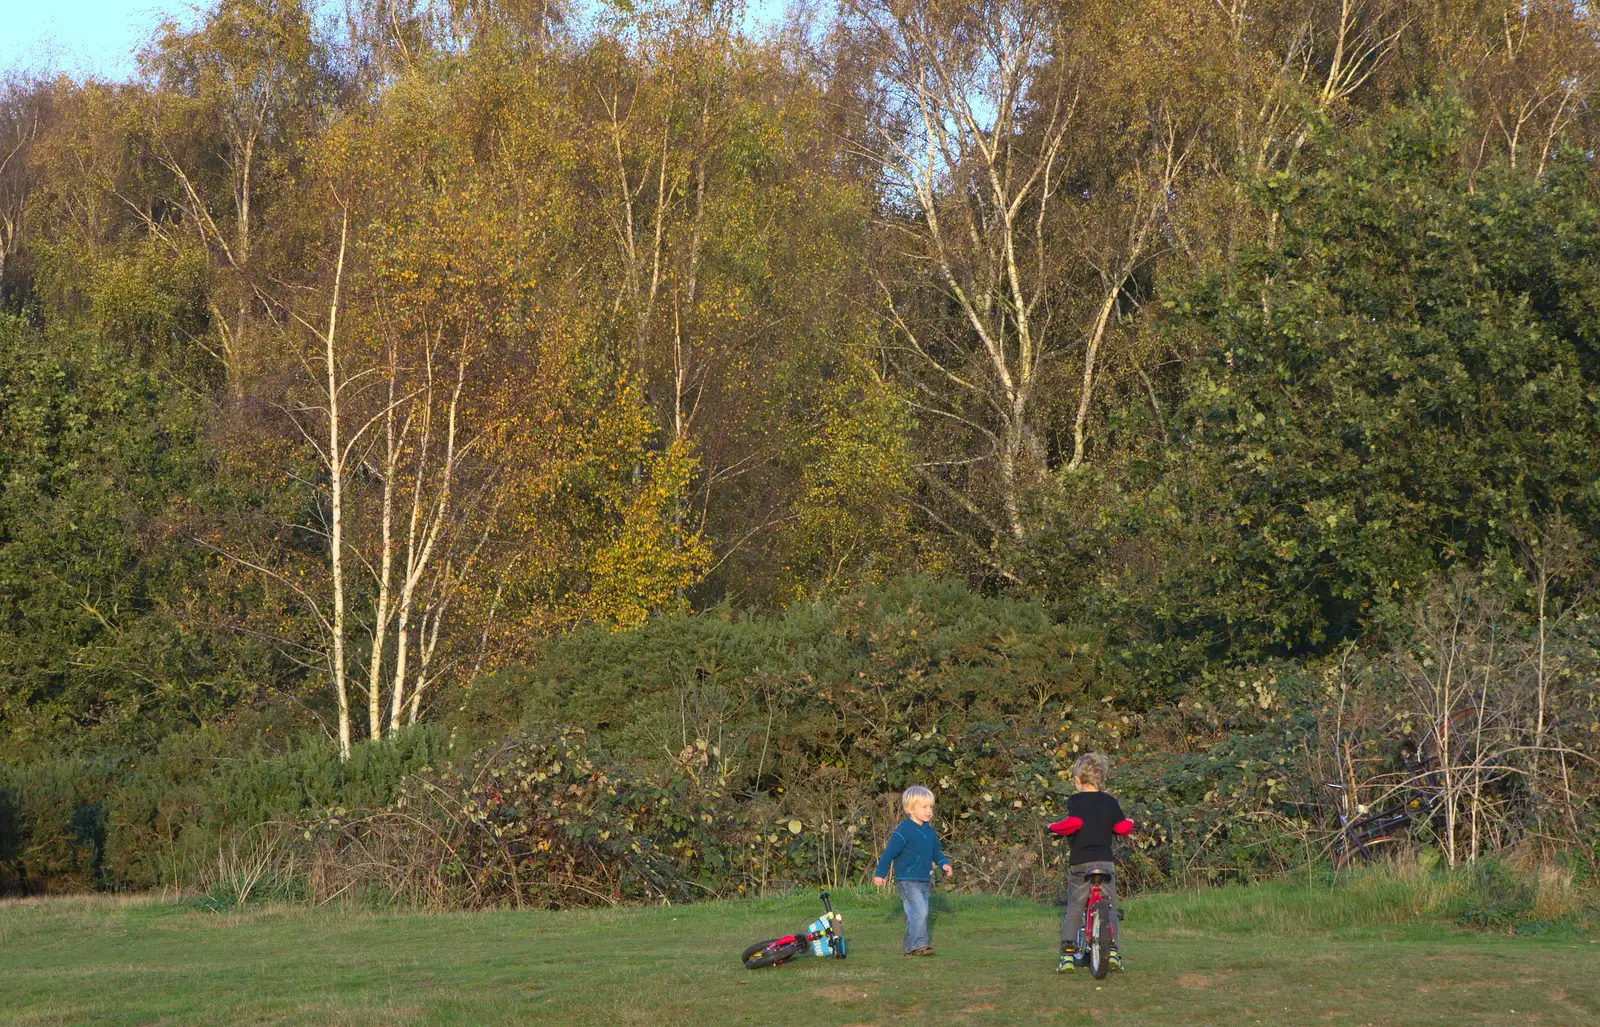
x=1095 y=895
x=1357 y=833
x=812 y=936
x=829 y=926
x=824 y=936
x=834 y=930
x=1087 y=927
x=1089 y=953
x=1423 y=778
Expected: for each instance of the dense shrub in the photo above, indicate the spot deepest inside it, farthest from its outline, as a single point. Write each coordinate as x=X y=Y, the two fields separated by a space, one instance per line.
x=532 y=820
x=711 y=755
x=733 y=752
x=1402 y=384
x=108 y=614
x=819 y=717
x=826 y=713
x=548 y=819
x=864 y=683
x=157 y=819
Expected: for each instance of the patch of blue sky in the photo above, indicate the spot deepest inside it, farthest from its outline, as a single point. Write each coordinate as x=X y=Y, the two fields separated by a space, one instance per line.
x=82 y=38
x=102 y=38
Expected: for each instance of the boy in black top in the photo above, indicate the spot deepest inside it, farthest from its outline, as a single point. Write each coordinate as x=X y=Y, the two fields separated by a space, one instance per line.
x=1093 y=817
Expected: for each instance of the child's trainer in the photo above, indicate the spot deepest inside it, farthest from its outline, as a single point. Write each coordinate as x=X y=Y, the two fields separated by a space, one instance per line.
x=1093 y=819
x=913 y=851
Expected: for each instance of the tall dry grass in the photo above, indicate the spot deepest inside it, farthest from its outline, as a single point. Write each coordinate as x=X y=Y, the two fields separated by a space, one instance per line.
x=1383 y=895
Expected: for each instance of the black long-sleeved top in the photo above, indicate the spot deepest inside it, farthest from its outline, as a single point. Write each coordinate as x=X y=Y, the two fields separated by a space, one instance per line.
x=1100 y=814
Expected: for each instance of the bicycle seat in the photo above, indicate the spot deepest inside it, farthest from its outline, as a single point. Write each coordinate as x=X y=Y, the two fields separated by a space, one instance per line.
x=1098 y=876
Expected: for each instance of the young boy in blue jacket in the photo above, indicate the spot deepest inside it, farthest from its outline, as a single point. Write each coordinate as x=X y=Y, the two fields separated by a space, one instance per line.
x=913 y=851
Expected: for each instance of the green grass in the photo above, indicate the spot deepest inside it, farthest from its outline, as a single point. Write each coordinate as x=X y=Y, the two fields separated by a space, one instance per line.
x=1369 y=952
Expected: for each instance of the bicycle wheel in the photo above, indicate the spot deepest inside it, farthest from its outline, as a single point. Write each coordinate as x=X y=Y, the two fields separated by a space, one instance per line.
x=1100 y=939
x=1348 y=853
x=1461 y=729
x=772 y=952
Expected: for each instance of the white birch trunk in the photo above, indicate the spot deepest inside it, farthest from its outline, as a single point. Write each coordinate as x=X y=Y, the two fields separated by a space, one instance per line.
x=380 y=614
x=336 y=458
x=420 y=549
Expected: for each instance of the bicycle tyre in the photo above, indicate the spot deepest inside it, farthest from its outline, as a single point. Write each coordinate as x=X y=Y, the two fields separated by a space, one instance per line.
x=771 y=952
x=1100 y=940
x=1350 y=854
x=1462 y=725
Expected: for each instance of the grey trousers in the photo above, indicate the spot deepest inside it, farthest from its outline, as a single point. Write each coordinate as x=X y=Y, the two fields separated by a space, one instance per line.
x=914 y=896
x=1078 y=900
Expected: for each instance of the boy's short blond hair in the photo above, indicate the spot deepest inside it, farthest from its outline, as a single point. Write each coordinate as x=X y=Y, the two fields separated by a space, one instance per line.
x=916 y=793
x=1091 y=767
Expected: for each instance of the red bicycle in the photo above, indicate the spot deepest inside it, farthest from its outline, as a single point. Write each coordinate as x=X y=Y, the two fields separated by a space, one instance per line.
x=1094 y=937
x=824 y=937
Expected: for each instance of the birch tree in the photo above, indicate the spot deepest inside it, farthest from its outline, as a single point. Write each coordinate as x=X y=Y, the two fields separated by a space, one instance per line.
x=409 y=453
x=1531 y=70
x=22 y=107
x=323 y=426
x=336 y=456
x=386 y=414
x=435 y=292
x=664 y=102
x=972 y=150
x=236 y=97
x=984 y=110
x=429 y=527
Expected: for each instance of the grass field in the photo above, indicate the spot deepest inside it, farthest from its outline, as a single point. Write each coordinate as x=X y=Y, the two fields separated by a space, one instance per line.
x=1363 y=953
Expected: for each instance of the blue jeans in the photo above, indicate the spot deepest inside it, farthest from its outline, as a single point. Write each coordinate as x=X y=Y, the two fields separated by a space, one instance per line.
x=914 y=896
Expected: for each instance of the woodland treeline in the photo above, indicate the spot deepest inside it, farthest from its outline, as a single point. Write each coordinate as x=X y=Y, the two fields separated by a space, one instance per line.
x=1184 y=377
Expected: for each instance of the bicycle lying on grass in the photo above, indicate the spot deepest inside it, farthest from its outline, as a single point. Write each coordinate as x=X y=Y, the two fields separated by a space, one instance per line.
x=824 y=937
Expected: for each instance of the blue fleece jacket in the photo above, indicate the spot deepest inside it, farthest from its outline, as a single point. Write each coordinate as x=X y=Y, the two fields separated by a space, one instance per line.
x=913 y=849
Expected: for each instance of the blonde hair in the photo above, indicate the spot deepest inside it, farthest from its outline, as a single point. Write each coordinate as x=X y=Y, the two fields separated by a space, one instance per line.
x=916 y=793
x=1091 y=767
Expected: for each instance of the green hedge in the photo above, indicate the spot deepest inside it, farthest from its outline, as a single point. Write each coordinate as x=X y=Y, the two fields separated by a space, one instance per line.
x=698 y=755
x=153 y=820
x=794 y=734
x=931 y=652
x=827 y=711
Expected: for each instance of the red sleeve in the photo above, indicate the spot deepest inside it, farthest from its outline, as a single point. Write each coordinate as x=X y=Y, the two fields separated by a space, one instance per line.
x=1123 y=827
x=1067 y=826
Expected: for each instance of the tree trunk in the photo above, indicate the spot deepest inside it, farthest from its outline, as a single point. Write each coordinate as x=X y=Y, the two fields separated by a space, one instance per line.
x=336 y=492
x=380 y=614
